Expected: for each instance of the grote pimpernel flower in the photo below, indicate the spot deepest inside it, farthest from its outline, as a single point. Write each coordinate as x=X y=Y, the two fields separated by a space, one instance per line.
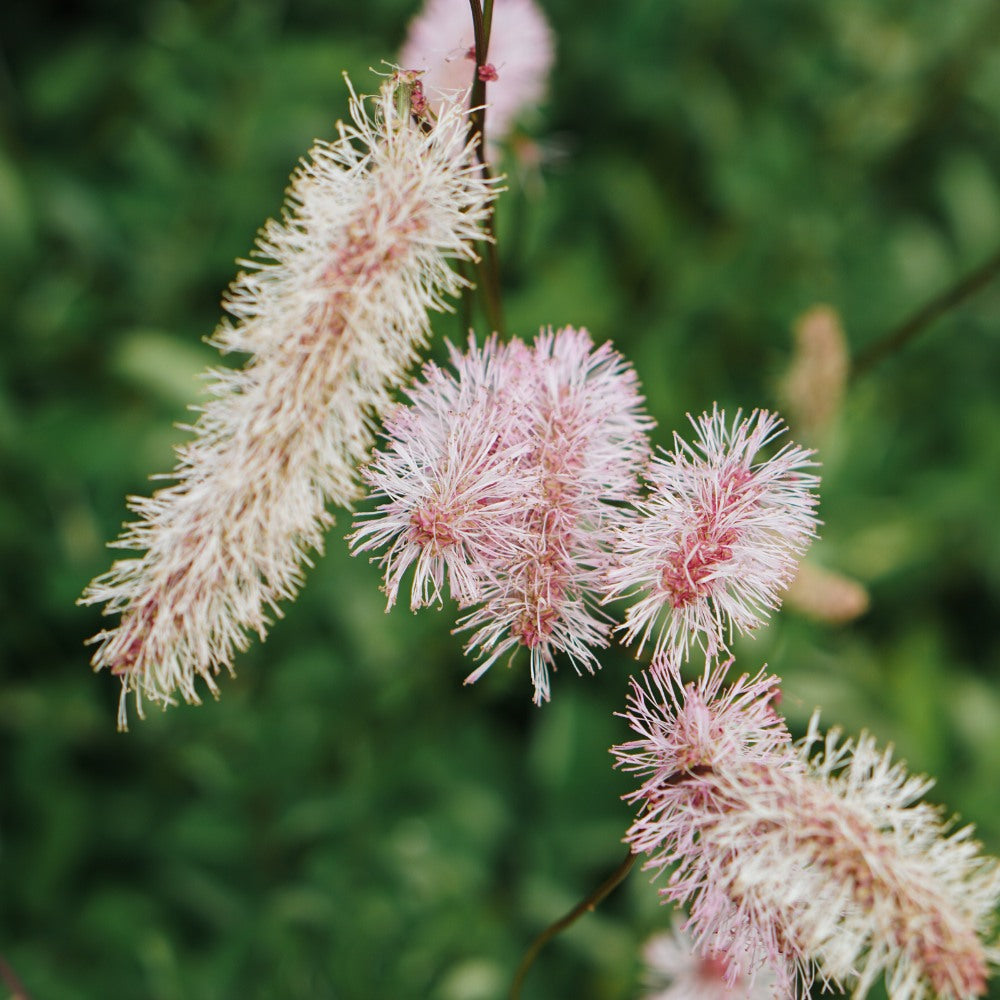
x=509 y=480
x=824 y=865
x=331 y=310
x=717 y=538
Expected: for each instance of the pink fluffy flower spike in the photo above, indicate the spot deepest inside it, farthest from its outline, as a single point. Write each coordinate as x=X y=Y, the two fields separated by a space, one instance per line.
x=504 y=485
x=717 y=539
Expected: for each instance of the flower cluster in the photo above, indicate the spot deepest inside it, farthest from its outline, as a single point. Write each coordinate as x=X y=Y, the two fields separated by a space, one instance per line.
x=515 y=481
x=507 y=481
x=802 y=865
x=331 y=312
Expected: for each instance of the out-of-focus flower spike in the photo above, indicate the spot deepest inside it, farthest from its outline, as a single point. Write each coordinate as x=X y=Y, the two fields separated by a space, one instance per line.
x=332 y=311
x=812 y=390
x=677 y=970
x=826 y=595
x=441 y=43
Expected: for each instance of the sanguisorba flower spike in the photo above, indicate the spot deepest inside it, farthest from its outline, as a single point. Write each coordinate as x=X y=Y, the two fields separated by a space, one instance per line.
x=718 y=537
x=507 y=480
x=825 y=865
x=676 y=970
x=332 y=311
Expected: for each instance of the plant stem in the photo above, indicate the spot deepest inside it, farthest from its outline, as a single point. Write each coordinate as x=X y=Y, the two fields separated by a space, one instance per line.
x=923 y=317
x=489 y=268
x=465 y=303
x=477 y=101
x=585 y=906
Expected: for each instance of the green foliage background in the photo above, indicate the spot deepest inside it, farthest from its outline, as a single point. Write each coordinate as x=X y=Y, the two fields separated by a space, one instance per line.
x=348 y=821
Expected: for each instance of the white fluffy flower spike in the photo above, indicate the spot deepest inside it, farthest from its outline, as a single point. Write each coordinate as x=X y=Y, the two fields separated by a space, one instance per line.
x=332 y=311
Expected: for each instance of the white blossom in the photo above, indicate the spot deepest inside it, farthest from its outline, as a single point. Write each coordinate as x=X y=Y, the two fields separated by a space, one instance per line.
x=332 y=311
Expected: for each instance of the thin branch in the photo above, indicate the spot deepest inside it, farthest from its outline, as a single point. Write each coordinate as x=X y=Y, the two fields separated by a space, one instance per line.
x=600 y=893
x=933 y=310
x=587 y=905
x=490 y=271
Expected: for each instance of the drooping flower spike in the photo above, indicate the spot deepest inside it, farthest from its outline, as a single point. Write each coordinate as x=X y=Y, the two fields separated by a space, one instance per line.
x=332 y=312
x=440 y=43
x=718 y=537
x=508 y=480
x=825 y=865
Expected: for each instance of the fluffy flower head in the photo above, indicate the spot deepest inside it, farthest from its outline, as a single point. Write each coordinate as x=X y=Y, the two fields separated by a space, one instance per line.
x=691 y=730
x=718 y=538
x=826 y=865
x=332 y=311
x=506 y=479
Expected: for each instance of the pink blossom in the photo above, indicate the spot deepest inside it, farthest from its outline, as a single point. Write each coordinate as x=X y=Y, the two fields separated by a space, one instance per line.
x=452 y=476
x=508 y=480
x=827 y=866
x=718 y=537
x=698 y=727
x=441 y=43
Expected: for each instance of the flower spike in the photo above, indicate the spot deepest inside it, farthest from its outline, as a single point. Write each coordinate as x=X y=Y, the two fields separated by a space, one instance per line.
x=803 y=865
x=332 y=311
x=718 y=538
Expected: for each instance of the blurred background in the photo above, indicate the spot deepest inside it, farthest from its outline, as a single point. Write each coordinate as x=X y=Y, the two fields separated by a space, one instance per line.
x=348 y=821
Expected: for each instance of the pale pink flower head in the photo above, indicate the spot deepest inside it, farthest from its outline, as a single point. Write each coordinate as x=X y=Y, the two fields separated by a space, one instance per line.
x=441 y=43
x=677 y=970
x=508 y=480
x=718 y=538
x=690 y=738
x=887 y=885
x=827 y=868
x=586 y=428
x=451 y=477
x=332 y=311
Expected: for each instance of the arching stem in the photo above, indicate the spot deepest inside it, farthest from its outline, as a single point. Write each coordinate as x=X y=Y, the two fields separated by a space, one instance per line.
x=584 y=906
x=923 y=317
